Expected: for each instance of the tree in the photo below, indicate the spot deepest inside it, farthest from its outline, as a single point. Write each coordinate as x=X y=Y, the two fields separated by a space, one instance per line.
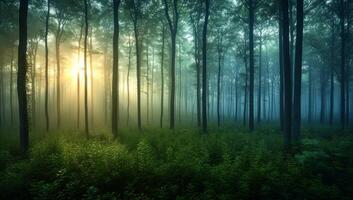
x=85 y=68
x=287 y=76
x=135 y=11
x=204 y=66
x=251 y=66
x=162 y=76
x=46 y=111
x=173 y=27
x=298 y=70
x=21 y=76
x=116 y=4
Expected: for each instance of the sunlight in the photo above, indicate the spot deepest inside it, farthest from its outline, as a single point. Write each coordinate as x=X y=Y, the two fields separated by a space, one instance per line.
x=77 y=65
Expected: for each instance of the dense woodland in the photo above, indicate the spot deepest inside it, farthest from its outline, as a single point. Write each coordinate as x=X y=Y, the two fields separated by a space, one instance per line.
x=176 y=99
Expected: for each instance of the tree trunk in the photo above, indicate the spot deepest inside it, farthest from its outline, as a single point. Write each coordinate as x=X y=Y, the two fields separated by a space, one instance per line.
x=92 y=80
x=343 y=63
x=11 y=88
x=21 y=76
x=162 y=78
x=115 y=81
x=58 y=76
x=173 y=26
x=147 y=81
x=78 y=79
x=46 y=111
x=260 y=82
x=85 y=69
x=251 y=67
x=310 y=108
x=332 y=83
x=204 y=67
x=128 y=82
x=180 y=95
x=280 y=50
x=33 y=79
x=322 y=98
x=287 y=77
x=298 y=71
x=219 y=49
x=245 y=91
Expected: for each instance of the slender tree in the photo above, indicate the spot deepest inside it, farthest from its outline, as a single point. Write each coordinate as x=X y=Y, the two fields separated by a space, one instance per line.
x=173 y=27
x=115 y=86
x=46 y=111
x=251 y=66
x=287 y=76
x=204 y=67
x=85 y=68
x=298 y=70
x=21 y=76
x=162 y=77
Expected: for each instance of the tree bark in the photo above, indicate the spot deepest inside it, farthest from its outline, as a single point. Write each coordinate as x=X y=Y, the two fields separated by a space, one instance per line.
x=287 y=77
x=173 y=26
x=21 y=76
x=115 y=81
x=298 y=71
x=343 y=63
x=251 y=67
x=85 y=69
x=162 y=78
x=204 y=67
x=46 y=111
x=260 y=82
x=128 y=83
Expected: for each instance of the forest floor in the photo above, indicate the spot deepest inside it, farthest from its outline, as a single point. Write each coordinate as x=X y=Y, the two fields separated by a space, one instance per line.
x=228 y=163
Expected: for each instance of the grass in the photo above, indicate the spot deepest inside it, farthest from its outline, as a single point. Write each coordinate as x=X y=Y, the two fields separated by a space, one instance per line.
x=227 y=163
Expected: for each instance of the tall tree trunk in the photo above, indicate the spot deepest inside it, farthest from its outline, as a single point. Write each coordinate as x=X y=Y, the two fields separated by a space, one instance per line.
x=46 y=111
x=173 y=26
x=322 y=98
x=78 y=78
x=162 y=78
x=219 y=49
x=138 y=75
x=287 y=77
x=33 y=80
x=147 y=81
x=245 y=91
x=128 y=82
x=310 y=108
x=85 y=68
x=280 y=50
x=92 y=80
x=251 y=68
x=179 y=102
x=21 y=76
x=197 y=47
x=58 y=76
x=298 y=71
x=11 y=88
x=332 y=83
x=236 y=98
x=260 y=82
x=204 y=67
x=343 y=63
x=115 y=82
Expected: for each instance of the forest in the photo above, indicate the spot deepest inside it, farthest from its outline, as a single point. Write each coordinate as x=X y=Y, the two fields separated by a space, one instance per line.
x=176 y=99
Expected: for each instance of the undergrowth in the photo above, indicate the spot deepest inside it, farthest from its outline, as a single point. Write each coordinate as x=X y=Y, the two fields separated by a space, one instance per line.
x=181 y=164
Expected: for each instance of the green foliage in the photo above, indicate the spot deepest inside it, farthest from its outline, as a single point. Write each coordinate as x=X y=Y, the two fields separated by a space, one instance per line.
x=183 y=164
